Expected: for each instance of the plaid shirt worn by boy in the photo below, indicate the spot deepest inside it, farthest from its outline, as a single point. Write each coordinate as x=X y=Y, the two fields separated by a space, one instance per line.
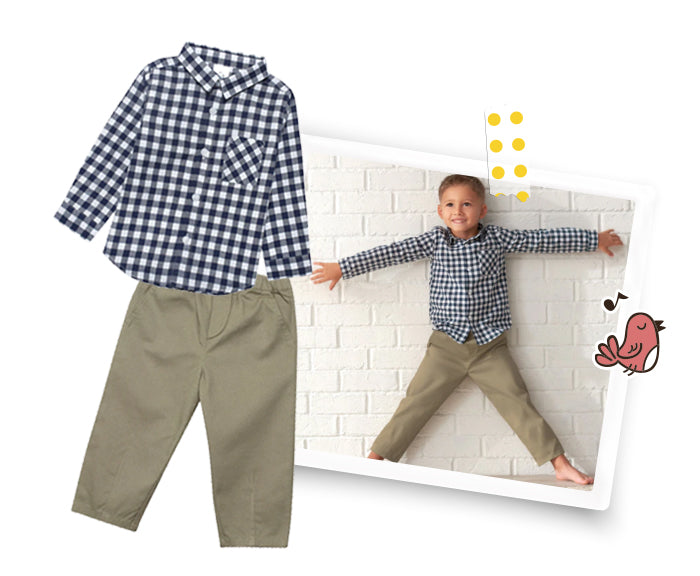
x=468 y=290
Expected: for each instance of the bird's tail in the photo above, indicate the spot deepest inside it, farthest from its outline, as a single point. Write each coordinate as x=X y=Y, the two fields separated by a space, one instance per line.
x=608 y=352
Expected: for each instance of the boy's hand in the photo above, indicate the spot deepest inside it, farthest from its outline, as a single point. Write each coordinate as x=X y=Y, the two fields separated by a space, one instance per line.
x=327 y=271
x=606 y=239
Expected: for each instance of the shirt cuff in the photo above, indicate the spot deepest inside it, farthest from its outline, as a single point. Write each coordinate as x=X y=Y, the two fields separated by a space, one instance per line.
x=346 y=268
x=286 y=267
x=592 y=240
x=75 y=222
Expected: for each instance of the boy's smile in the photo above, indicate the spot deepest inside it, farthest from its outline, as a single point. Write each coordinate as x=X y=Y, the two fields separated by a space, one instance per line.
x=461 y=209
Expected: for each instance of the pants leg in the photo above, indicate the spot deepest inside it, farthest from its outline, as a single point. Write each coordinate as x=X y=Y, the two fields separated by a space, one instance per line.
x=248 y=396
x=237 y=354
x=438 y=375
x=149 y=397
x=498 y=376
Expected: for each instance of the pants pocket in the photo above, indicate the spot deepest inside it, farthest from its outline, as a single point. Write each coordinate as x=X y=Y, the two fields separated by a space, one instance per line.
x=137 y=302
x=284 y=306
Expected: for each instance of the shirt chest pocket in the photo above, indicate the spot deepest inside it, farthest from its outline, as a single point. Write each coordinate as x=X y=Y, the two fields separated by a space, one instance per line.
x=490 y=262
x=243 y=159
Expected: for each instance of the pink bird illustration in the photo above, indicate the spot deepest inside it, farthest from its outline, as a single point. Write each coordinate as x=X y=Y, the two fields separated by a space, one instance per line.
x=639 y=351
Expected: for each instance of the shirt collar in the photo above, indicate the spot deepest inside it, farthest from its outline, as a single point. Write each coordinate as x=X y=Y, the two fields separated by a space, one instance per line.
x=198 y=60
x=452 y=239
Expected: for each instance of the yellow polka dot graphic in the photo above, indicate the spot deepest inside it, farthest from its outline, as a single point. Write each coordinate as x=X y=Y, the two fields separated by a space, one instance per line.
x=507 y=151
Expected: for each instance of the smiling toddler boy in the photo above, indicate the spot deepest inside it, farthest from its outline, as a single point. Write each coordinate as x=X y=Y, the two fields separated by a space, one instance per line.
x=470 y=316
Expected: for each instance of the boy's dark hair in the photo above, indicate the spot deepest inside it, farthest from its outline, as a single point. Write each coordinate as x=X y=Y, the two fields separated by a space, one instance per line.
x=461 y=180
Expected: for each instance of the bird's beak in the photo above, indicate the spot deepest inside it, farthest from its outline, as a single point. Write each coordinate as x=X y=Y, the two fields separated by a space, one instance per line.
x=659 y=327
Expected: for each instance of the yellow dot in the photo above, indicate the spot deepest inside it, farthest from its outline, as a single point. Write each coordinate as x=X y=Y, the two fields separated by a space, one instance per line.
x=494 y=119
x=496 y=146
x=522 y=195
x=500 y=194
x=516 y=117
x=520 y=170
x=498 y=172
x=518 y=144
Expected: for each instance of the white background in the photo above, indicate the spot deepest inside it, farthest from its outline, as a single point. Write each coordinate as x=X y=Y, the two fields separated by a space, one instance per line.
x=612 y=92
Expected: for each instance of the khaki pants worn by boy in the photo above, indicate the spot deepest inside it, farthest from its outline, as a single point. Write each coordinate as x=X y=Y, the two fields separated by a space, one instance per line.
x=491 y=367
x=234 y=353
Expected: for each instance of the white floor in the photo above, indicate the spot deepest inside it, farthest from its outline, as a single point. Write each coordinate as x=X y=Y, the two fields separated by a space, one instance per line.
x=549 y=481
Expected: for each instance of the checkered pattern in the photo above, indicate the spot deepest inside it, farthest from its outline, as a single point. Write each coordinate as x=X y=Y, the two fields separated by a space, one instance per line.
x=201 y=171
x=468 y=290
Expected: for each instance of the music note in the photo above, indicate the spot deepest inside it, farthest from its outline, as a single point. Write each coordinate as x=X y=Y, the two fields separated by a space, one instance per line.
x=609 y=303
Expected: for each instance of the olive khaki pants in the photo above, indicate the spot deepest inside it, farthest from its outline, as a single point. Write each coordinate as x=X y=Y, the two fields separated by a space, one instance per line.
x=491 y=367
x=234 y=353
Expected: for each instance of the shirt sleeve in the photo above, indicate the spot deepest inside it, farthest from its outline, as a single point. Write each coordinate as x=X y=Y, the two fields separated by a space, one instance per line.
x=95 y=192
x=408 y=250
x=286 y=232
x=549 y=240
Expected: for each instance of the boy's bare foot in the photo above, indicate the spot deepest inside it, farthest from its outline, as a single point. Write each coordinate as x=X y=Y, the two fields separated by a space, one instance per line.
x=565 y=471
x=374 y=456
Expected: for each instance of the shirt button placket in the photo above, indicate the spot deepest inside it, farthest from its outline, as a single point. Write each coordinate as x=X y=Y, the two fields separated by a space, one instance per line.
x=206 y=156
x=209 y=134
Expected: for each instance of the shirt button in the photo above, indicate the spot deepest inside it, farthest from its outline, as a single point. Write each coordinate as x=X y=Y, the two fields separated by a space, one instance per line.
x=195 y=199
x=186 y=240
x=205 y=153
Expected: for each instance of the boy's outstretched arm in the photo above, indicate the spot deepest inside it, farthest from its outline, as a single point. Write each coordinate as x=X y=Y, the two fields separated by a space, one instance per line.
x=407 y=250
x=328 y=271
x=557 y=240
x=606 y=239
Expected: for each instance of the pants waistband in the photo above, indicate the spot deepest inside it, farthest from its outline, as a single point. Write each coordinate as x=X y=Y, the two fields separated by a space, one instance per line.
x=264 y=284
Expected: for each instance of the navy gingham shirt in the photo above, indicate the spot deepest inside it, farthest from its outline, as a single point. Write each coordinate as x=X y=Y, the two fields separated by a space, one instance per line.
x=468 y=291
x=202 y=169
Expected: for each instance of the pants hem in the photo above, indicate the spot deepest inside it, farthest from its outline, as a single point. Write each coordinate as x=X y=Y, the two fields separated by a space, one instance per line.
x=87 y=511
x=231 y=544
x=555 y=453
x=387 y=455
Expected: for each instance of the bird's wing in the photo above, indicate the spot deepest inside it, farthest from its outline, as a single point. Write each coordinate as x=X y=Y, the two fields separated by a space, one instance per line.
x=631 y=350
x=608 y=352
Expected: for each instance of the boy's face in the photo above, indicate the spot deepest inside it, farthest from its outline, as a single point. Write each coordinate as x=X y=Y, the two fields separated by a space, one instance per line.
x=461 y=209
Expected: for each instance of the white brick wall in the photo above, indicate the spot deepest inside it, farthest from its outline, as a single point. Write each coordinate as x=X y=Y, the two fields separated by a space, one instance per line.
x=360 y=344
